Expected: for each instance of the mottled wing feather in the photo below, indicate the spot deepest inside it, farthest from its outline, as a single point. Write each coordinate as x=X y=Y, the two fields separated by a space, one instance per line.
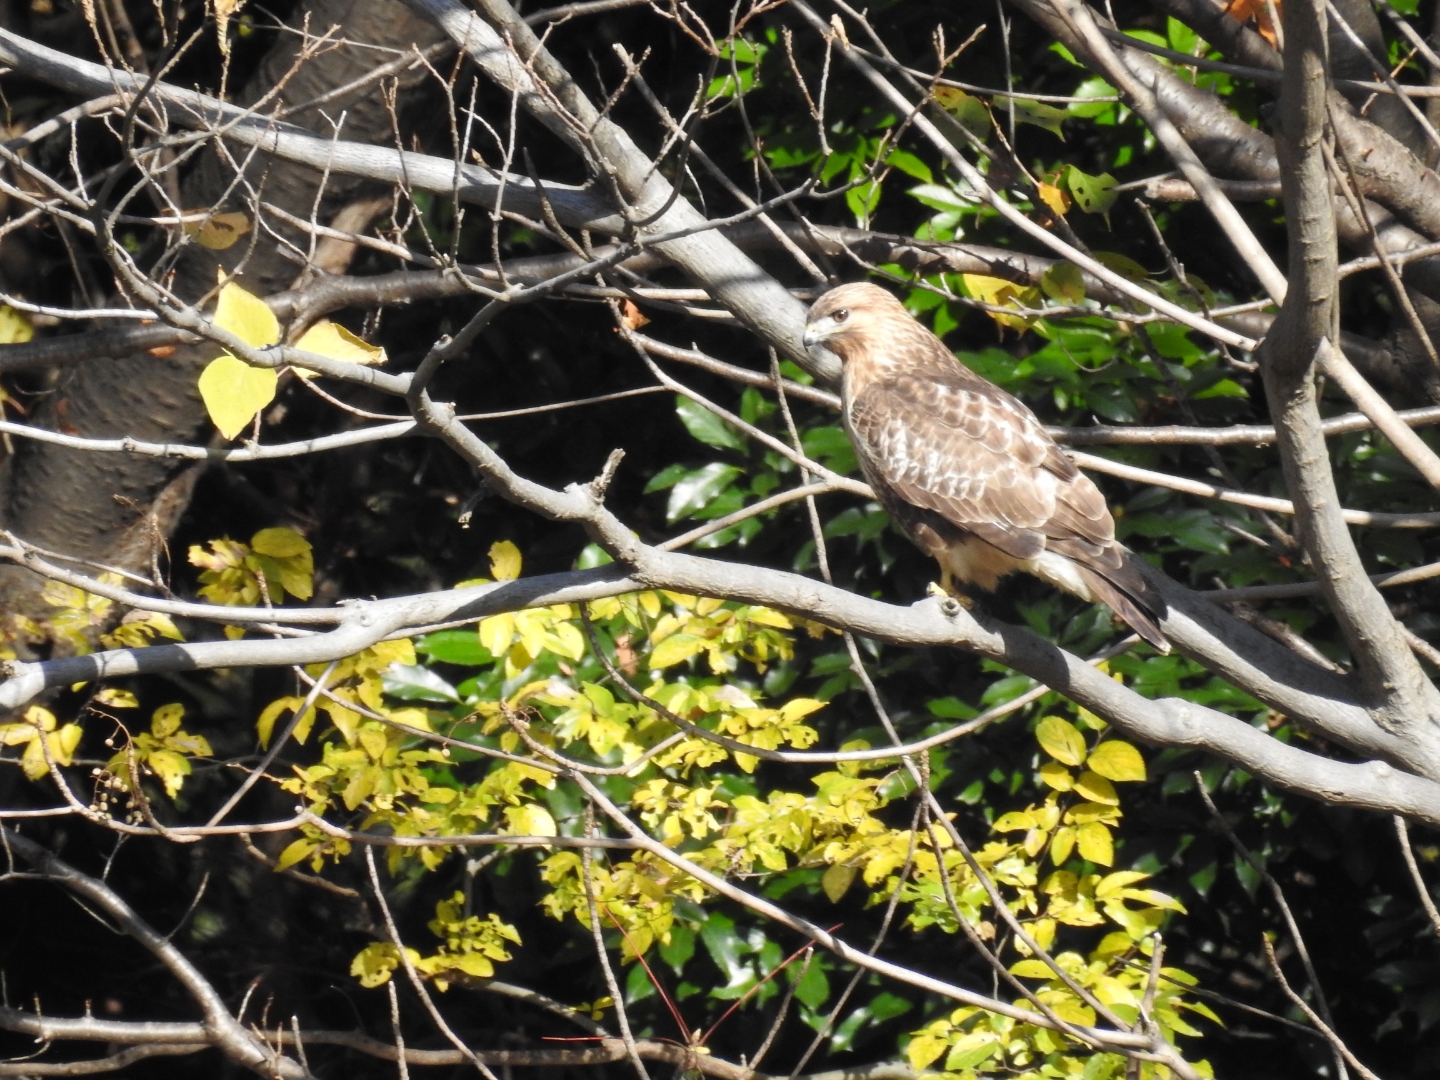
x=977 y=457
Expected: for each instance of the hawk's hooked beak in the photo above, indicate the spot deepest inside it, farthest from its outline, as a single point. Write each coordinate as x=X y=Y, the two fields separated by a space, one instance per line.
x=813 y=336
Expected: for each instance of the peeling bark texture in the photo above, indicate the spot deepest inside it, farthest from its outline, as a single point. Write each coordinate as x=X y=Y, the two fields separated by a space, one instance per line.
x=114 y=508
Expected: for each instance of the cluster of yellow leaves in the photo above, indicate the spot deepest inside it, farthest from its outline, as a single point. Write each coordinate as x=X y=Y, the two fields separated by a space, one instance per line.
x=725 y=634
x=1087 y=823
x=639 y=894
x=44 y=741
x=276 y=561
x=164 y=751
x=472 y=947
x=975 y=1043
x=80 y=615
x=972 y=1043
x=233 y=391
x=520 y=637
x=376 y=767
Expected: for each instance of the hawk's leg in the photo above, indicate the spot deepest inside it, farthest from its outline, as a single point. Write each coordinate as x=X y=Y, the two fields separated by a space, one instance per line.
x=947 y=589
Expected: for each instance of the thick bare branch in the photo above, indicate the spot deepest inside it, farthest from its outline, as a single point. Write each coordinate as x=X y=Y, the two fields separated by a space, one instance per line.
x=1404 y=699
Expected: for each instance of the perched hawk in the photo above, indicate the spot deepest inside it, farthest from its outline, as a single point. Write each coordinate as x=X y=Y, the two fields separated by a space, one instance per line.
x=965 y=469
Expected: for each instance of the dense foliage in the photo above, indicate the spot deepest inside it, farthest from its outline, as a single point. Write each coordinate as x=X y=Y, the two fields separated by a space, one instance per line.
x=402 y=795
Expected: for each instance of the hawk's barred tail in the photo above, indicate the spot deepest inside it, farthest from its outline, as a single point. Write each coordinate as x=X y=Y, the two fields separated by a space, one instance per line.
x=1131 y=597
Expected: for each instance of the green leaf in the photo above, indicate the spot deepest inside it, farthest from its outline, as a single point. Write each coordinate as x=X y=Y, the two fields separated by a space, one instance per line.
x=910 y=165
x=1093 y=194
x=454 y=647
x=706 y=426
x=667 y=477
x=814 y=986
x=698 y=489
x=1063 y=282
x=411 y=682
x=1123 y=265
x=831 y=447
x=1032 y=112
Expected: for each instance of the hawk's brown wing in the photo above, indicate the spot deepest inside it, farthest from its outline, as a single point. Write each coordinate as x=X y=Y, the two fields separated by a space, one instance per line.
x=954 y=444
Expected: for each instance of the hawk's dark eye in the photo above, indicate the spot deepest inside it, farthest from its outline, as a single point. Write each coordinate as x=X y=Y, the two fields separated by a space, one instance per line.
x=841 y=315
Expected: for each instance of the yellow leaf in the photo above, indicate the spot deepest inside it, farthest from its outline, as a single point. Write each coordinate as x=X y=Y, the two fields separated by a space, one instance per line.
x=1097 y=789
x=1095 y=843
x=266 y=724
x=1032 y=969
x=505 y=561
x=117 y=699
x=40 y=717
x=219 y=231
x=166 y=720
x=837 y=880
x=497 y=632
x=675 y=649
x=1054 y=198
x=170 y=767
x=234 y=392
x=532 y=819
x=246 y=316
x=15 y=328
x=280 y=543
x=1116 y=760
x=1057 y=776
x=333 y=340
x=1061 y=740
x=1062 y=845
x=1014 y=821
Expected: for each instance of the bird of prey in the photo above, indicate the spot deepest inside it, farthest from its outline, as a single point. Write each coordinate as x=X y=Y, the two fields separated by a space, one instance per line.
x=966 y=470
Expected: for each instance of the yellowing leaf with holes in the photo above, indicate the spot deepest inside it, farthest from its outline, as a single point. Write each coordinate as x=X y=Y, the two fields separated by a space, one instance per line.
x=1061 y=740
x=117 y=699
x=333 y=340
x=1118 y=761
x=1093 y=194
x=234 y=392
